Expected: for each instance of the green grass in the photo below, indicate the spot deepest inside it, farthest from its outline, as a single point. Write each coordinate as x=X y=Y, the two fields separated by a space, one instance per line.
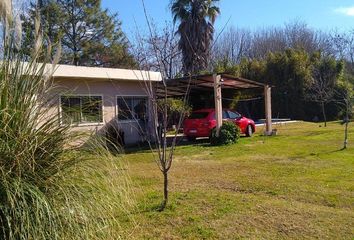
x=297 y=185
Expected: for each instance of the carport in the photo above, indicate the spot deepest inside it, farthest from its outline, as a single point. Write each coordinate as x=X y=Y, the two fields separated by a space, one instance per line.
x=183 y=85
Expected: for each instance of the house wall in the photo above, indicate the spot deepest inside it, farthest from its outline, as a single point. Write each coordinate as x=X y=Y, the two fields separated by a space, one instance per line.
x=109 y=90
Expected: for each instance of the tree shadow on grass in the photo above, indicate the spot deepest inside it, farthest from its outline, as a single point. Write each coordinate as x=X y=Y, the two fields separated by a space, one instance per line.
x=316 y=154
x=156 y=206
x=181 y=141
x=328 y=152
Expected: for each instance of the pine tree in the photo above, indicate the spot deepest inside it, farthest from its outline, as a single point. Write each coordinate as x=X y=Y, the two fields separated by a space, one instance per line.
x=89 y=35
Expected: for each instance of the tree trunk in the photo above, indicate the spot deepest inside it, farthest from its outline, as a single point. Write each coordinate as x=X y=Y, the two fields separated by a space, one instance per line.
x=76 y=60
x=324 y=114
x=346 y=128
x=165 y=190
x=346 y=135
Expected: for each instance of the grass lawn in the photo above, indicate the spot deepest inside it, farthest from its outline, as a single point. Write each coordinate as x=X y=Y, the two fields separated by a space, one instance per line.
x=297 y=185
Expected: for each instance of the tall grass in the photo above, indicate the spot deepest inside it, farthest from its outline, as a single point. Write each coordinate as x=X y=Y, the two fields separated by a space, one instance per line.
x=94 y=196
x=49 y=190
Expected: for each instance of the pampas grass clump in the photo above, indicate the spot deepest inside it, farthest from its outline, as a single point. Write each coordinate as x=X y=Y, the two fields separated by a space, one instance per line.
x=49 y=190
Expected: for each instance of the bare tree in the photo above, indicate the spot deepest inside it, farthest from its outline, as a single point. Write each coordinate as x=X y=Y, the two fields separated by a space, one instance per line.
x=162 y=55
x=160 y=47
x=236 y=44
x=321 y=93
x=233 y=45
x=267 y=40
x=347 y=98
x=344 y=46
x=325 y=75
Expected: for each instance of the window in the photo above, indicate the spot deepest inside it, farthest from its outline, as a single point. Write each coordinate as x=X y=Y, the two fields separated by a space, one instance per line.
x=224 y=115
x=233 y=115
x=132 y=108
x=81 y=109
x=198 y=115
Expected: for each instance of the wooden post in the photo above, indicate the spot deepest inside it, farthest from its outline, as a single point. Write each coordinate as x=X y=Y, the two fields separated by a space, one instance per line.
x=218 y=102
x=268 y=109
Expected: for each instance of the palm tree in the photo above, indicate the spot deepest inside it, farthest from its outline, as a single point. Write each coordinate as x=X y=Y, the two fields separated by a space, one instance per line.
x=196 y=31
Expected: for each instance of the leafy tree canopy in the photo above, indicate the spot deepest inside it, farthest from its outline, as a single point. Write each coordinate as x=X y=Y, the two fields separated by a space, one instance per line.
x=90 y=36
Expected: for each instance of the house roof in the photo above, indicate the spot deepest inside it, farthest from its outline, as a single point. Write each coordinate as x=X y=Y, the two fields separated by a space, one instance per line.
x=70 y=71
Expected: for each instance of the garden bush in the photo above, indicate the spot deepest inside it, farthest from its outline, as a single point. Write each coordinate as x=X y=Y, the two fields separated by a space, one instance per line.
x=229 y=134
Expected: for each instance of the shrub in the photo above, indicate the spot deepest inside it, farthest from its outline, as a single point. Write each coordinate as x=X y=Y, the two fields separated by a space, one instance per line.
x=175 y=108
x=229 y=133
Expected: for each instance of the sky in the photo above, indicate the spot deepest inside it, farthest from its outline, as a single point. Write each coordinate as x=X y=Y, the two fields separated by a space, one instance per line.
x=252 y=14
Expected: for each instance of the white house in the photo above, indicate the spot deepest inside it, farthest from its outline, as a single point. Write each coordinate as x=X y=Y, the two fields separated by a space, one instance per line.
x=90 y=98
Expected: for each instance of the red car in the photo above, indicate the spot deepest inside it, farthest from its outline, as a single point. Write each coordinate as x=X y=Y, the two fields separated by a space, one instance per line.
x=201 y=122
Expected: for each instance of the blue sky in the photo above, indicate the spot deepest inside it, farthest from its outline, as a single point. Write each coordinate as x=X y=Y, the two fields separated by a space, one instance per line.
x=252 y=14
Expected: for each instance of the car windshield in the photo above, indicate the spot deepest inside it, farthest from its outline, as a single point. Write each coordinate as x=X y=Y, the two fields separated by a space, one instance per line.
x=198 y=115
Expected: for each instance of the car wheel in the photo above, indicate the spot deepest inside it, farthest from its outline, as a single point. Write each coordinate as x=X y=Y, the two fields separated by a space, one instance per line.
x=249 y=131
x=191 y=139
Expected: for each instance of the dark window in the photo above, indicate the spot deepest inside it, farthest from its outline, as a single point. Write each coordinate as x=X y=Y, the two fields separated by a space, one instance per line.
x=123 y=109
x=234 y=115
x=132 y=108
x=81 y=109
x=198 y=115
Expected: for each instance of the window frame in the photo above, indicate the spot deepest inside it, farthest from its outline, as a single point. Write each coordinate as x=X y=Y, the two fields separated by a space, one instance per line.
x=80 y=124
x=130 y=96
